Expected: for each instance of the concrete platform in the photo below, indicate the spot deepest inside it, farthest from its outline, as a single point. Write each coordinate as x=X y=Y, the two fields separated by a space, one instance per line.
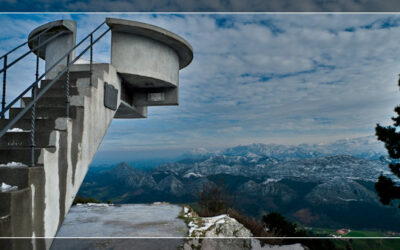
x=126 y=220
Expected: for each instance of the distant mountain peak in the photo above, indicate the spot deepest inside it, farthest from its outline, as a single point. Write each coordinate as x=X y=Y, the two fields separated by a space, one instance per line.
x=362 y=147
x=123 y=167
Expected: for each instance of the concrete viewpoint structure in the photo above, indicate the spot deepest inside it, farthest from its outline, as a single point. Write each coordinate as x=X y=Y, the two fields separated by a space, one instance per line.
x=144 y=71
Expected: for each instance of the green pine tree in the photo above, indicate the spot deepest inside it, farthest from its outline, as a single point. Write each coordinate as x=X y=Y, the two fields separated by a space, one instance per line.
x=386 y=188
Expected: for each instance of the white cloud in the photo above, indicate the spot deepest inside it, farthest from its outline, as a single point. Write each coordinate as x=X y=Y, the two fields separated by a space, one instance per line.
x=230 y=129
x=312 y=81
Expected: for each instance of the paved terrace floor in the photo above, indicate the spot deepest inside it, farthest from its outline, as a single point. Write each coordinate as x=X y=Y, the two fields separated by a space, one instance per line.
x=127 y=220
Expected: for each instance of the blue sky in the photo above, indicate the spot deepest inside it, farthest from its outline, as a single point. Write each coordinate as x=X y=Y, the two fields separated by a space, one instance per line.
x=269 y=78
x=202 y=5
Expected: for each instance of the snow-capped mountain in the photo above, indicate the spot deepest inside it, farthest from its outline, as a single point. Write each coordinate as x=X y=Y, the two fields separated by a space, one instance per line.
x=264 y=168
x=363 y=147
x=338 y=191
x=323 y=181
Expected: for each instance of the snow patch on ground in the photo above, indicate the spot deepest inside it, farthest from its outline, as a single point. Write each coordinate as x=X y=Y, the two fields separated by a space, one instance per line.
x=89 y=204
x=17 y=130
x=5 y=187
x=13 y=164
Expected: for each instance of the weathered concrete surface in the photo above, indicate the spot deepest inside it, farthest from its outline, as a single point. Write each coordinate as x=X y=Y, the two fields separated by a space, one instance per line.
x=153 y=44
x=143 y=62
x=148 y=59
x=45 y=193
x=154 y=221
x=76 y=147
x=54 y=50
x=66 y=146
x=127 y=220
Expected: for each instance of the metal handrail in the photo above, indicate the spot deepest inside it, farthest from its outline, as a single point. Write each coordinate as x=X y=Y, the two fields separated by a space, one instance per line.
x=46 y=72
x=33 y=86
x=30 y=51
x=9 y=65
x=32 y=38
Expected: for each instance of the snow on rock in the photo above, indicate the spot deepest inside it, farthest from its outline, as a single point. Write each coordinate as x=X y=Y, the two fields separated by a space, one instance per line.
x=188 y=175
x=13 y=164
x=222 y=232
x=217 y=226
x=5 y=187
x=268 y=180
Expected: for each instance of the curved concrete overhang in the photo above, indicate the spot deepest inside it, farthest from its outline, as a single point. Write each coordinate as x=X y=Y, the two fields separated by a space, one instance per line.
x=177 y=43
x=147 y=56
x=57 y=26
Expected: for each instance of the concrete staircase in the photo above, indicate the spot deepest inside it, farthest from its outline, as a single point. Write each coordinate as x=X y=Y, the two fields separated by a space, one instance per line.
x=144 y=71
x=64 y=149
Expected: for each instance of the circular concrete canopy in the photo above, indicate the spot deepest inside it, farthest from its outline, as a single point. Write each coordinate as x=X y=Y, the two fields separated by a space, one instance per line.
x=57 y=26
x=177 y=43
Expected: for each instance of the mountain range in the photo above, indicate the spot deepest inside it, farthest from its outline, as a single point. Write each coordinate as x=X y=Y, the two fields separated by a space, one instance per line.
x=362 y=147
x=315 y=185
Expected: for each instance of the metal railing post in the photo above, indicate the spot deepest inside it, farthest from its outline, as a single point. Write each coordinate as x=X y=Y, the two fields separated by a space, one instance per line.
x=33 y=87
x=33 y=114
x=3 y=102
x=91 y=58
x=67 y=89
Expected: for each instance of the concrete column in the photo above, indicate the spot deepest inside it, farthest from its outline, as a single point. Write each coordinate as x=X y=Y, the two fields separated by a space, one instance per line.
x=54 y=50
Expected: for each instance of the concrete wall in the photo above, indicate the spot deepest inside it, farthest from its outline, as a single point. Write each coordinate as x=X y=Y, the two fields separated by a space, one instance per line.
x=148 y=60
x=65 y=166
x=55 y=50
x=144 y=63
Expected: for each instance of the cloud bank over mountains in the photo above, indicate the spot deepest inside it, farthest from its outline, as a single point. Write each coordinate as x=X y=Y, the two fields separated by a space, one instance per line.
x=255 y=78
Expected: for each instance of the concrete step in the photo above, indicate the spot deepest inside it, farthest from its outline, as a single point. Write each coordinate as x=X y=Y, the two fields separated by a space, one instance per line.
x=7 y=198
x=5 y=230
x=20 y=154
x=73 y=75
x=45 y=112
x=16 y=205
x=59 y=92
x=61 y=83
x=23 y=139
x=41 y=125
x=45 y=101
x=15 y=176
